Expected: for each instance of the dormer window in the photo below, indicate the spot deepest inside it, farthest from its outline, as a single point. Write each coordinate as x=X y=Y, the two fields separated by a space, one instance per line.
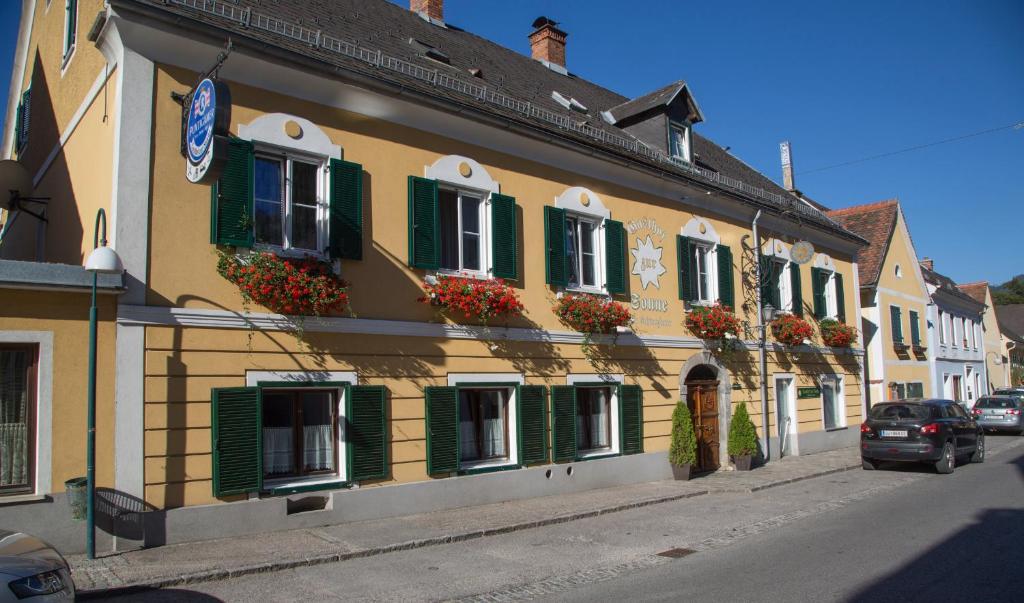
x=679 y=141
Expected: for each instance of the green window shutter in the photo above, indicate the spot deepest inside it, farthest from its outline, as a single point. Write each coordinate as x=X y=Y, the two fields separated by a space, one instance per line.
x=615 y=256
x=726 y=289
x=631 y=418
x=533 y=424
x=554 y=245
x=346 y=210
x=685 y=269
x=237 y=420
x=72 y=24
x=24 y=118
x=366 y=432
x=504 y=238
x=840 y=298
x=18 y=120
x=819 y=278
x=896 y=316
x=915 y=329
x=769 y=290
x=231 y=215
x=796 y=289
x=424 y=219
x=442 y=429
x=563 y=422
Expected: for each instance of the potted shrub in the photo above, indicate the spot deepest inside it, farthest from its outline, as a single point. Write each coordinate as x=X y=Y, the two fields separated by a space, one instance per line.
x=682 y=450
x=791 y=330
x=472 y=297
x=742 y=438
x=836 y=334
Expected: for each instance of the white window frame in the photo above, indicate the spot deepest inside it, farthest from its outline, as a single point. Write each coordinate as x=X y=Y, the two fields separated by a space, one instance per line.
x=305 y=380
x=792 y=410
x=785 y=286
x=582 y=203
x=944 y=323
x=469 y=380
x=68 y=51
x=600 y=286
x=288 y=157
x=686 y=129
x=969 y=393
x=711 y=259
x=612 y=381
x=43 y=453
x=831 y=297
x=840 y=389
x=484 y=217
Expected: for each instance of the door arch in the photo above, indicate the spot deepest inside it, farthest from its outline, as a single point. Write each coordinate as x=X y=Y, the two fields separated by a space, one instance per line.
x=702 y=373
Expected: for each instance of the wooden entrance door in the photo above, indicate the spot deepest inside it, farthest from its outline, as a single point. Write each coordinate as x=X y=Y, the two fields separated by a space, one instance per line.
x=702 y=398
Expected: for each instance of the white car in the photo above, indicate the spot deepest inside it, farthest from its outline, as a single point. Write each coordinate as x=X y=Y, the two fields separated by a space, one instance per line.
x=32 y=570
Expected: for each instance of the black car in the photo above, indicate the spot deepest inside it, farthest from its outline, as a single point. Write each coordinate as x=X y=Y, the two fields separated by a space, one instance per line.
x=921 y=430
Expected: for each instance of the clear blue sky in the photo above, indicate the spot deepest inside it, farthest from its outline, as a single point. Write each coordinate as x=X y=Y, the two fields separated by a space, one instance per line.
x=840 y=80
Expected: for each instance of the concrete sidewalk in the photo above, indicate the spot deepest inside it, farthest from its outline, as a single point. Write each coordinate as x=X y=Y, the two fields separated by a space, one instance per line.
x=228 y=558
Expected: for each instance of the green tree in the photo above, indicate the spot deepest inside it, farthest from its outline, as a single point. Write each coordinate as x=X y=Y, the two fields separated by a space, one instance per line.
x=682 y=450
x=1010 y=292
x=742 y=435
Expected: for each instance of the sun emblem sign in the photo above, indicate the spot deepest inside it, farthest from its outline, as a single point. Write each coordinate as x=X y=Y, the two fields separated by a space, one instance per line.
x=647 y=263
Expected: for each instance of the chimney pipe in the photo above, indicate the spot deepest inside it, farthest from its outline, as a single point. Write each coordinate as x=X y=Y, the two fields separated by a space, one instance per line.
x=547 y=42
x=928 y=263
x=787 y=167
x=433 y=9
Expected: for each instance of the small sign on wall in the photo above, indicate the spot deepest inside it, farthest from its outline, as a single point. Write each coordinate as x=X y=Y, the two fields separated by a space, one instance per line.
x=803 y=393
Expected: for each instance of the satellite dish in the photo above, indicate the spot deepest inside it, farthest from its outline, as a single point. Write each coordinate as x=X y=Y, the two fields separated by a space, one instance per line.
x=15 y=178
x=801 y=252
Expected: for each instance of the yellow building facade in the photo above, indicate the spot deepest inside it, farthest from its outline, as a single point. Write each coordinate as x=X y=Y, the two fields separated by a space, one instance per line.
x=223 y=413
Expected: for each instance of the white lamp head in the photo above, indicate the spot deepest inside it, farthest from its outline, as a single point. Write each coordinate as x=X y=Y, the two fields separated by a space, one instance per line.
x=104 y=260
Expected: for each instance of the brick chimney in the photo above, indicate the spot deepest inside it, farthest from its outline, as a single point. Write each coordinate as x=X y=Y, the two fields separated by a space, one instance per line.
x=928 y=263
x=547 y=42
x=431 y=8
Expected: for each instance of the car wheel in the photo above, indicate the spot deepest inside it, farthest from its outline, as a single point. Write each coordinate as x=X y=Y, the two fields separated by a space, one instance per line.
x=947 y=462
x=868 y=464
x=979 y=450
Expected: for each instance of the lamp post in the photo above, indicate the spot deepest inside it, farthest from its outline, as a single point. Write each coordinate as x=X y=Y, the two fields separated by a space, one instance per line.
x=102 y=260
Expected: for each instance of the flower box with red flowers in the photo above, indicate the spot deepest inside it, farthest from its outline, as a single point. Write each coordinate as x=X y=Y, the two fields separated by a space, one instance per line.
x=713 y=322
x=791 y=330
x=591 y=314
x=482 y=299
x=298 y=287
x=836 y=334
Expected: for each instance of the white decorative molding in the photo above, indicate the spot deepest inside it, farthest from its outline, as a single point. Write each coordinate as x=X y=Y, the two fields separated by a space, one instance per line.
x=457 y=378
x=271 y=129
x=254 y=378
x=776 y=248
x=582 y=200
x=824 y=261
x=693 y=230
x=452 y=169
x=225 y=319
x=43 y=469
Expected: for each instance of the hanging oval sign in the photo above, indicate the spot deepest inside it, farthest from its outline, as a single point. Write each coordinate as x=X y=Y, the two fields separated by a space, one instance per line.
x=209 y=116
x=801 y=252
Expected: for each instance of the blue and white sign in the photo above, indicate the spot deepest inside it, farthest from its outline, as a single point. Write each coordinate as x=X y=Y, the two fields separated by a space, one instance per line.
x=208 y=117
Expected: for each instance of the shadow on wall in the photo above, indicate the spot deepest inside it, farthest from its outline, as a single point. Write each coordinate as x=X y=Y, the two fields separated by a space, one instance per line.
x=60 y=238
x=127 y=517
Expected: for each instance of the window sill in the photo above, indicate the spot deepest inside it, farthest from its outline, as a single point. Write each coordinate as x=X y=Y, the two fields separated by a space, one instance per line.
x=475 y=275
x=491 y=467
x=831 y=429
x=279 y=487
x=587 y=291
x=21 y=498
x=291 y=253
x=596 y=454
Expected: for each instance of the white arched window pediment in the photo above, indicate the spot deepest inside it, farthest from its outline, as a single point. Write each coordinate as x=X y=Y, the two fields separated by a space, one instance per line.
x=776 y=249
x=701 y=230
x=289 y=132
x=582 y=200
x=462 y=172
x=823 y=261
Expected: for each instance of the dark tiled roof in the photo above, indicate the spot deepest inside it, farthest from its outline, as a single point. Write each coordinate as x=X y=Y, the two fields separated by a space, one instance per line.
x=1011 y=320
x=948 y=285
x=876 y=223
x=975 y=290
x=372 y=38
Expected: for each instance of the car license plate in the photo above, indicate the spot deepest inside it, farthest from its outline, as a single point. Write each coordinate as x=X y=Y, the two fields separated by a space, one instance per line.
x=894 y=433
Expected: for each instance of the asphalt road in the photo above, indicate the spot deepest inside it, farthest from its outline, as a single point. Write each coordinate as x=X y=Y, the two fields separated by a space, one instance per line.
x=906 y=534
x=944 y=538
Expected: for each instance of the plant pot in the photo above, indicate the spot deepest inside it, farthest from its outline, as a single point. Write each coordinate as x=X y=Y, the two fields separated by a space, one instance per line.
x=681 y=472
x=742 y=461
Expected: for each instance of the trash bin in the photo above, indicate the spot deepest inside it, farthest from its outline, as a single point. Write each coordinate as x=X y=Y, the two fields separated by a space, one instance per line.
x=76 y=492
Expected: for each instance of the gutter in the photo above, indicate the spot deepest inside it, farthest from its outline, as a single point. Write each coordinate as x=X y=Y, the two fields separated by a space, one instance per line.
x=762 y=351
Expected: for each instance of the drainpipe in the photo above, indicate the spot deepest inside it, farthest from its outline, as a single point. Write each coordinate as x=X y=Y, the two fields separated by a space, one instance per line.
x=763 y=343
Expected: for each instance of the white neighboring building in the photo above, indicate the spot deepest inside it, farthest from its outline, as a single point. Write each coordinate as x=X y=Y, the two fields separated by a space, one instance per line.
x=957 y=353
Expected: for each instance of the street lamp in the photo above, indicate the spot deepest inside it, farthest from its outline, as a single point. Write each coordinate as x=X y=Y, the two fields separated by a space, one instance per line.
x=102 y=260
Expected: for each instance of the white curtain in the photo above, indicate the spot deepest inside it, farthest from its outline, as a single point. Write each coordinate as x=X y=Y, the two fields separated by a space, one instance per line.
x=13 y=454
x=278 y=450
x=489 y=413
x=597 y=421
x=319 y=447
x=494 y=423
